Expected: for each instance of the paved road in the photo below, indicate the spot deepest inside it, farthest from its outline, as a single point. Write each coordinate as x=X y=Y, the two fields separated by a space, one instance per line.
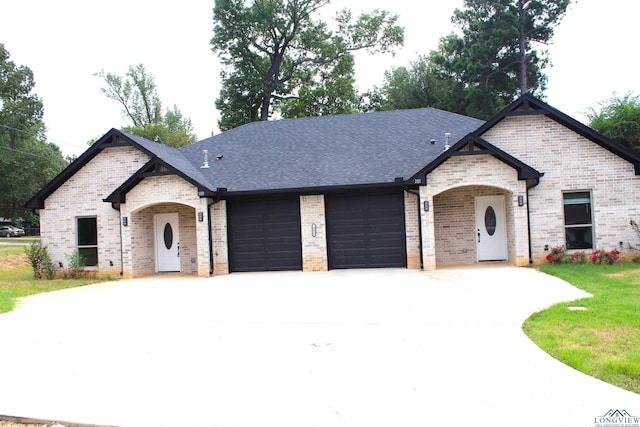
x=343 y=348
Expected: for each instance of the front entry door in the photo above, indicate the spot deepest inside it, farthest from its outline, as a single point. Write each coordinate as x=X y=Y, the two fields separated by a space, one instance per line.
x=167 y=233
x=491 y=228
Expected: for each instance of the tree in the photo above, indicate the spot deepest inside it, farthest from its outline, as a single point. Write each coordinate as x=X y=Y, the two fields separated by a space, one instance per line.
x=618 y=119
x=27 y=162
x=493 y=60
x=279 y=59
x=173 y=130
x=137 y=93
x=334 y=93
x=506 y=31
x=415 y=86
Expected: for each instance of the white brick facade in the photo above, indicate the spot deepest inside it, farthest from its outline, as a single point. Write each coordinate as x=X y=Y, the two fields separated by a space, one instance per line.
x=314 y=248
x=220 y=239
x=570 y=162
x=81 y=196
x=449 y=229
x=164 y=194
x=440 y=221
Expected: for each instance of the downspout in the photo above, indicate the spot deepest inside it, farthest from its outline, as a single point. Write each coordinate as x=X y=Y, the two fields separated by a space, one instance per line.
x=417 y=194
x=116 y=206
x=210 y=237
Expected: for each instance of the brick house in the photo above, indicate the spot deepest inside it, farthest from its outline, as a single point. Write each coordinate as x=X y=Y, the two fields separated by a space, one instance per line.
x=417 y=188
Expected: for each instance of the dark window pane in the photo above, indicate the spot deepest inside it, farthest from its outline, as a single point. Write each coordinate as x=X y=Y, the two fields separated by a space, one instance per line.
x=87 y=232
x=577 y=214
x=90 y=256
x=579 y=238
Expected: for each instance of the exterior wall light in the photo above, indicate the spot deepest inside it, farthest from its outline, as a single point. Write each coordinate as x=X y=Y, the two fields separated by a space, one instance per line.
x=200 y=217
x=125 y=221
x=426 y=206
x=313 y=230
x=520 y=200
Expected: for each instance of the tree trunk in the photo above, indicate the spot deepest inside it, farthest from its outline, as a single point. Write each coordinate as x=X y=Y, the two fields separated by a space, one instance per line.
x=264 y=107
x=523 y=50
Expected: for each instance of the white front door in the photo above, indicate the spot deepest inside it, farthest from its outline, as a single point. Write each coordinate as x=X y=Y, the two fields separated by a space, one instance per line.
x=167 y=233
x=491 y=228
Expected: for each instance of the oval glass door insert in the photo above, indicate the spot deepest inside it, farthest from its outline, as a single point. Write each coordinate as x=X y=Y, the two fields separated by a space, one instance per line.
x=168 y=236
x=490 y=221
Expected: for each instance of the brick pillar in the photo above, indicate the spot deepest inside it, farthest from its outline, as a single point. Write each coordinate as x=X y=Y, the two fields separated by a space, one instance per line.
x=312 y=221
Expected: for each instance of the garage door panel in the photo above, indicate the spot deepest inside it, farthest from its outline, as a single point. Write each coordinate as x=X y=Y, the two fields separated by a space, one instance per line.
x=366 y=230
x=264 y=235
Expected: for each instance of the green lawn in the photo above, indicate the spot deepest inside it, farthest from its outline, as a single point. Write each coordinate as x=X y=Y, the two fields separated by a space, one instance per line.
x=16 y=276
x=604 y=340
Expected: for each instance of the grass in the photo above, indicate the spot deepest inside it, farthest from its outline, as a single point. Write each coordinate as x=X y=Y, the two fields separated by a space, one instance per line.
x=16 y=276
x=604 y=340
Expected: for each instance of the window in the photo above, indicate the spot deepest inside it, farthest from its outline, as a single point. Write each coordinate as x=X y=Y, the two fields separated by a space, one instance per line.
x=88 y=240
x=578 y=221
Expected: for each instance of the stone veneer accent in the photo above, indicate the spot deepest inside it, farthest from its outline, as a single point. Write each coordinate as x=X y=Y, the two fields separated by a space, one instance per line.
x=81 y=196
x=571 y=162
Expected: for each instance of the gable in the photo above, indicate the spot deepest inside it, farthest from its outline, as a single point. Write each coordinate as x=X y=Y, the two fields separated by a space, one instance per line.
x=154 y=168
x=114 y=140
x=472 y=145
x=98 y=170
x=528 y=106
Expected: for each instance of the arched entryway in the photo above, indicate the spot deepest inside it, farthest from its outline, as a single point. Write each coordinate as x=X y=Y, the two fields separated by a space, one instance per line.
x=474 y=224
x=163 y=239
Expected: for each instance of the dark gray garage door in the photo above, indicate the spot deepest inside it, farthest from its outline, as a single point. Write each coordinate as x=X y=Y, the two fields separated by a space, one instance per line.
x=264 y=235
x=366 y=230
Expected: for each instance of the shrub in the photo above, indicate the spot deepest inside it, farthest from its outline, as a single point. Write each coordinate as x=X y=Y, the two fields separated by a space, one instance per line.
x=600 y=256
x=38 y=257
x=597 y=256
x=557 y=255
x=612 y=256
x=48 y=268
x=579 y=257
x=635 y=226
x=76 y=263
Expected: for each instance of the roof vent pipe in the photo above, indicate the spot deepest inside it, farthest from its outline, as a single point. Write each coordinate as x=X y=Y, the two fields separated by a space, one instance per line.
x=446 y=141
x=206 y=159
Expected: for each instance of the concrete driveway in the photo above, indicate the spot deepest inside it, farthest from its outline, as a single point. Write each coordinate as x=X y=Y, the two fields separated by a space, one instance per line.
x=343 y=348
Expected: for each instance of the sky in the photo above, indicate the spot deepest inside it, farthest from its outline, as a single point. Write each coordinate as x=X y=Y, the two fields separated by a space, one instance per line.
x=594 y=54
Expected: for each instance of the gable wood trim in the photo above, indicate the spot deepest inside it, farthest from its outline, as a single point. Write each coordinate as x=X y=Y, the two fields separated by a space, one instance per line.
x=473 y=145
x=530 y=105
x=152 y=168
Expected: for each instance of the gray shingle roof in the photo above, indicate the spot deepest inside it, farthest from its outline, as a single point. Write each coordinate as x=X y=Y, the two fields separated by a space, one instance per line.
x=172 y=157
x=353 y=149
